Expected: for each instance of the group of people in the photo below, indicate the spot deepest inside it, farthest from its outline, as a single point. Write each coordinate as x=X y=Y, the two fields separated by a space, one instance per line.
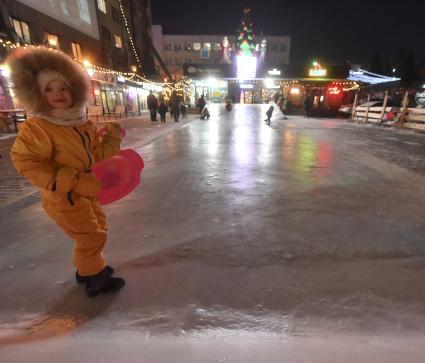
x=175 y=106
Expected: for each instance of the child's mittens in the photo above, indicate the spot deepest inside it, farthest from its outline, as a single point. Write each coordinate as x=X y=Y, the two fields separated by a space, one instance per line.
x=87 y=185
x=115 y=129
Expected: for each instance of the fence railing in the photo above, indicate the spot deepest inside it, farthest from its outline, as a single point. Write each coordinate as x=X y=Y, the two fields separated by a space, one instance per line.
x=404 y=116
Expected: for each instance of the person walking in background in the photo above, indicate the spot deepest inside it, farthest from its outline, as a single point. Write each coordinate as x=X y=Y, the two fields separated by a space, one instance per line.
x=183 y=110
x=162 y=110
x=152 y=105
x=175 y=105
x=201 y=103
x=308 y=105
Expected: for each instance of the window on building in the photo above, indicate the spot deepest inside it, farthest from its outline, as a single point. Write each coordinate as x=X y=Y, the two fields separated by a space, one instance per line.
x=76 y=50
x=196 y=46
x=106 y=34
x=177 y=47
x=118 y=41
x=207 y=46
x=283 y=47
x=273 y=47
x=187 y=47
x=216 y=46
x=116 y=15
x=22 y=29
x=101 y=5
x=52 y=40
x=169 y=46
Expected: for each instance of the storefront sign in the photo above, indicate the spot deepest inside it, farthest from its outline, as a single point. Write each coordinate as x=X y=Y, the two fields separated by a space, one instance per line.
x=204 y=71
x=317 y=71
x=334 y=90
x=274 y=72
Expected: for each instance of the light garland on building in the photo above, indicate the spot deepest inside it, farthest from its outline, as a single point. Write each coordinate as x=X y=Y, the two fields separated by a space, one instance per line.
x=130 y=37
x=128 y=76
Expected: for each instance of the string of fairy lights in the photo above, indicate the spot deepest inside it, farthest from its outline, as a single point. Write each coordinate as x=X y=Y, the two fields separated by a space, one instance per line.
x=179 y=86
x=130 y=37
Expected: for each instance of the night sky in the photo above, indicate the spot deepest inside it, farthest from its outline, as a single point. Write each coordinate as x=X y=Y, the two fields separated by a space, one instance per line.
x=330 y=31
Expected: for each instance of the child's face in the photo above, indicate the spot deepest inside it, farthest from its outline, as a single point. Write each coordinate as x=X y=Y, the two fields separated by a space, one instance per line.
x=58 y=95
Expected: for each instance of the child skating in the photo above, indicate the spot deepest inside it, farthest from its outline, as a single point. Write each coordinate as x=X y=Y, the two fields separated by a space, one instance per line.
x=56 y=148
x=269 y=114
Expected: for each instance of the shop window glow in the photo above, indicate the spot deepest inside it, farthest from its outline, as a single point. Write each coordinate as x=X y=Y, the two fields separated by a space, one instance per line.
x=295 y=91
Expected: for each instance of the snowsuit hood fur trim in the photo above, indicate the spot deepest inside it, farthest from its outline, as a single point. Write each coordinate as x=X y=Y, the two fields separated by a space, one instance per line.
x=25 y=65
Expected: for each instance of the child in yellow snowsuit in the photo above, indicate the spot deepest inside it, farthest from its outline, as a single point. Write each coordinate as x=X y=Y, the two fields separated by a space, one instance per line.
x=56 y=148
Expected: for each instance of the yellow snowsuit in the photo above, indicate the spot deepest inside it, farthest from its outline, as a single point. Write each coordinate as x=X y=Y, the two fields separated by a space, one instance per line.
x=57 y=160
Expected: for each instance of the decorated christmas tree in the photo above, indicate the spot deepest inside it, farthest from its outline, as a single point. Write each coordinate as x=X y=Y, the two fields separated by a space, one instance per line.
x=245 y=44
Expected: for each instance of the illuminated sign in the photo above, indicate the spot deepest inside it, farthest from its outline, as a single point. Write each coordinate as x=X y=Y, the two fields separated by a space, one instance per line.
x=274 y=72
x=246 y=86
x=295 y=91
x=247 y=67
x=334 y=90
x=317 y=71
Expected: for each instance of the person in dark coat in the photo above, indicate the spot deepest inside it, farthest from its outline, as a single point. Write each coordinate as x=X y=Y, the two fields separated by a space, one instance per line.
x=201 y=103
x=152 y=105
x=183 y=110
x=308 y=105
x=162 y=110
x=175 y=106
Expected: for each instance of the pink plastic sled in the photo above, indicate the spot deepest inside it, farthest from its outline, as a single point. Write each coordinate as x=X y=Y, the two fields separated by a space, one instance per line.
x=119 y=175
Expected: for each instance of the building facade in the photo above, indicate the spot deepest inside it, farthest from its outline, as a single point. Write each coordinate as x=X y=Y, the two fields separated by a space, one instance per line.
x=107 y=36
x=178 y=50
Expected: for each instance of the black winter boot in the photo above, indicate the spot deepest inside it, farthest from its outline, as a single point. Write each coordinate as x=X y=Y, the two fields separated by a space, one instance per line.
x=82 y=279
x=103 y=283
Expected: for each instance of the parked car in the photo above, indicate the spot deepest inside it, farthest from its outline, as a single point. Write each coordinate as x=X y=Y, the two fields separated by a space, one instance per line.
x=348 y=109
x=420 y=98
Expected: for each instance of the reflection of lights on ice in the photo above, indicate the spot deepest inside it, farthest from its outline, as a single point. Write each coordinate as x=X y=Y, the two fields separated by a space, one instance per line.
x=247 y=67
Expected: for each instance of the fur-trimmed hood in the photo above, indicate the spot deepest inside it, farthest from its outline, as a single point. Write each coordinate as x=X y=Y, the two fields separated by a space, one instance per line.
x=25 y=63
